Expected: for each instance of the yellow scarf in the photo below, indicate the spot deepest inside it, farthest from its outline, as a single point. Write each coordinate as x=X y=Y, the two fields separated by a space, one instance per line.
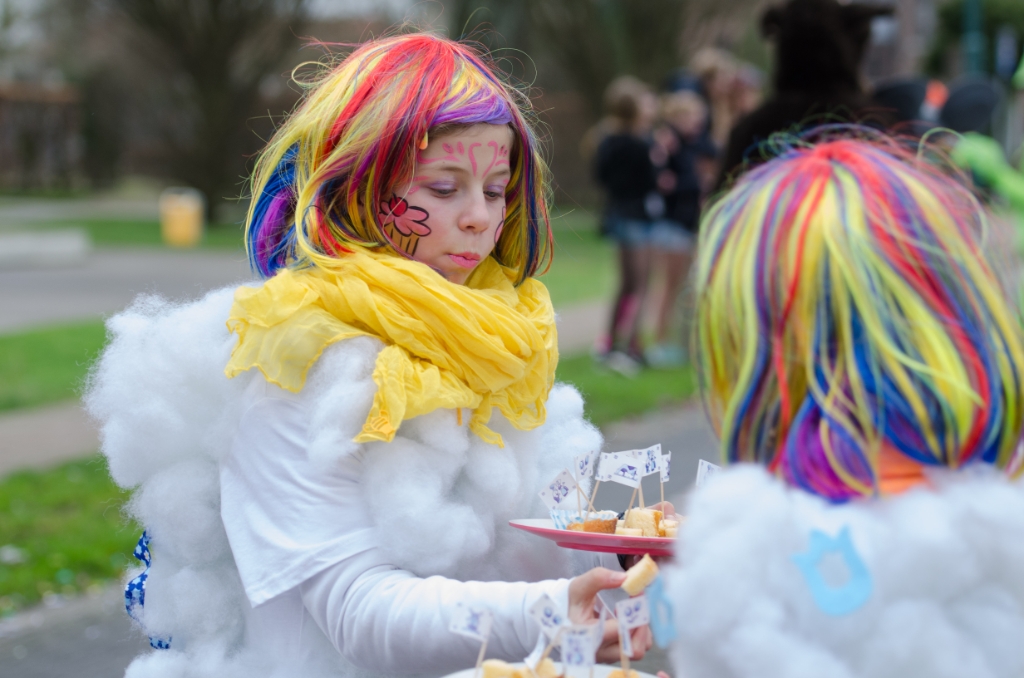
x=483 y=345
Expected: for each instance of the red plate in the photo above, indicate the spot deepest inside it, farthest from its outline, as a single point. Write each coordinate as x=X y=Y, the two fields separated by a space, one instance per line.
x=595 y=541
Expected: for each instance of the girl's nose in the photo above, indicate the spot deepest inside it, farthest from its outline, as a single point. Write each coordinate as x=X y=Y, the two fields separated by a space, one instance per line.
x=475 y=216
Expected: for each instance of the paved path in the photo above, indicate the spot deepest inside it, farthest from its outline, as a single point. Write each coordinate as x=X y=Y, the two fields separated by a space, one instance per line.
x=108 y=281
x=46 y=436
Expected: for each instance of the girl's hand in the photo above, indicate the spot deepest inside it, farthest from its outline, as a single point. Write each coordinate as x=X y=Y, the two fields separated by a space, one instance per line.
x=583 y=592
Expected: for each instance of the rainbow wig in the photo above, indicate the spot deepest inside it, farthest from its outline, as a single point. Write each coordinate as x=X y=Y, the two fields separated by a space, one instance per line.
x=847 y=315
x=355 y=135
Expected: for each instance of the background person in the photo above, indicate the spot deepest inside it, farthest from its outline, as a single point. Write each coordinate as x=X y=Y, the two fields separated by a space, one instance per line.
x=688 y=167
x=624 y=170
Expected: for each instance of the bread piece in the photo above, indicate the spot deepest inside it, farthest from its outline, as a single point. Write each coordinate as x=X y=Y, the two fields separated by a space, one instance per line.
x=629 y=531
x=546 y=669
x=619 y=673
x=667 y=524
x=671 y=532
x=575 y=527
x=640 y=576
x=603 y=521
x=495 y=668
x=645 y=519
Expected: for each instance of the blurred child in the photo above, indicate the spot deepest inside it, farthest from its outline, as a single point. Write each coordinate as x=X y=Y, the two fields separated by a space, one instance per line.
x=624 y=170
x=688 y=156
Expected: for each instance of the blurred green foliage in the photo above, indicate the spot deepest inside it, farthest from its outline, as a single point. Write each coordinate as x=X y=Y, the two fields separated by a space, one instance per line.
x=126 y=232
x=995 y=13
x=63 y=532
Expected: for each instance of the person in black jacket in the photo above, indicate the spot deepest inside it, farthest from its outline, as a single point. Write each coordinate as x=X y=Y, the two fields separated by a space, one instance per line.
x=624 y=170
x=819 y=46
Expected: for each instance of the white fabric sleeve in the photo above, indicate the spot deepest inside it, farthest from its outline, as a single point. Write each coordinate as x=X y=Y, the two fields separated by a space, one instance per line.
x=293 y=525
x=384 y=619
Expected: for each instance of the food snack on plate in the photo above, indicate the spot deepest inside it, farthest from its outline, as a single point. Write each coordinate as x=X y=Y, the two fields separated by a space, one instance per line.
x=647 y=520
x=668 y=528
x=602 y=521
x=495 y=668
x=619 y=673
x=629 y=531
x=640 y=576
x=545 y=669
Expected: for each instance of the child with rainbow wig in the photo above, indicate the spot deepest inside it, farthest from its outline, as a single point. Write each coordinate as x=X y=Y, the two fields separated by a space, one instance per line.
x=329 y=477
x=858 y=344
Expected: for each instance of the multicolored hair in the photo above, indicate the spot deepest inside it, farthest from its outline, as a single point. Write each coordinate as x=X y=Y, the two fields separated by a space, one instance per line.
x=355 y=135
x=847 y=310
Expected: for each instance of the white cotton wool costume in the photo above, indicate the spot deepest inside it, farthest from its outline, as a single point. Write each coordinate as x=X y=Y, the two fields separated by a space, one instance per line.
x=287 y=575
x=947 y=565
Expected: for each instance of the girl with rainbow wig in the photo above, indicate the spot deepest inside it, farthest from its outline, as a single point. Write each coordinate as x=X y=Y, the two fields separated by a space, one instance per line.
x=852 y=330
x=402 y=408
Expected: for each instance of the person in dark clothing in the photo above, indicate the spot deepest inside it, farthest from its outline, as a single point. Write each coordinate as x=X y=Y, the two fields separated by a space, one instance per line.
x=624 y=170
x=819 y=46
x=685 y=157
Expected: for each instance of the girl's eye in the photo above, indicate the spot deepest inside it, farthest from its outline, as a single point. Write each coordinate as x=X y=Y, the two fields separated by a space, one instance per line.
x=494 y=194
x=442 y=190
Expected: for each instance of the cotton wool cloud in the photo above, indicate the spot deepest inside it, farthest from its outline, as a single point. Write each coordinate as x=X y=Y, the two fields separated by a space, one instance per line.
x=167 y=415
x=945 y=564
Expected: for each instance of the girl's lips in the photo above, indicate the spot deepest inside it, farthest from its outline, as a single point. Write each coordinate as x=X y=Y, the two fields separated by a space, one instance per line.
x=465 y=259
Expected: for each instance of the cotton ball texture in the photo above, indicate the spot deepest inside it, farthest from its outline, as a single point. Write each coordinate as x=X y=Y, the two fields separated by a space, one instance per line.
x=944 y=563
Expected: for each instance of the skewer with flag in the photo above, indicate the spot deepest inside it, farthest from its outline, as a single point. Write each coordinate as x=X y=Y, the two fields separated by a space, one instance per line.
x=630 y=613
x=552 y=621
x=473 y=622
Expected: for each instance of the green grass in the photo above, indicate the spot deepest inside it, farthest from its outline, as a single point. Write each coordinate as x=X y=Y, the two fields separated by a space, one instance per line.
x=610 y=396
x=584 y=267
x=67 y=525
x=47 y=365
x=121 y=232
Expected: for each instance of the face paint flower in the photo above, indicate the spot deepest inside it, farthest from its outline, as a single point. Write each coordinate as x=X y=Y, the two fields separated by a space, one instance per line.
x=408 y=220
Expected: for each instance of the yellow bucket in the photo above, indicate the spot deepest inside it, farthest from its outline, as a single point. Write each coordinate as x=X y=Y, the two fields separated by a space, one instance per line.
x=181 y=217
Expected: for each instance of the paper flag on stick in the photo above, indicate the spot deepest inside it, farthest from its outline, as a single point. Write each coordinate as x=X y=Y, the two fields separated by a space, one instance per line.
x=666 y=466
x=472 y=622
x=631 y=613
x=584 y=464
x=706 y=471
x=547 y=613
x=651 y=458
x=578 y=648
x=555 y=494
x=624 y=468
x=533 y=658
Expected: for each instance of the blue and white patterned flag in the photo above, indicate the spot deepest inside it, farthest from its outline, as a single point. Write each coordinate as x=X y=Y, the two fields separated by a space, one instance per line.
x=578 y=648
x=665 y=466
x=625 y=468
x=471 y=621
x=584 y=465
x=631 y=613
x=556 y=493
x=549 y=615
x=651 y=458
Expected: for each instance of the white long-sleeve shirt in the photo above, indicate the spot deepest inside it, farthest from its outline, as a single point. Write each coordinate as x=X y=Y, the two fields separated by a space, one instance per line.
x=310 y=562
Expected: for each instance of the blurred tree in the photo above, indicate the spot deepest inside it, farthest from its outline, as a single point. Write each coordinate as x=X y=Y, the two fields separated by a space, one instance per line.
x=209 y=58
x=997 y=14
x=596 y=40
